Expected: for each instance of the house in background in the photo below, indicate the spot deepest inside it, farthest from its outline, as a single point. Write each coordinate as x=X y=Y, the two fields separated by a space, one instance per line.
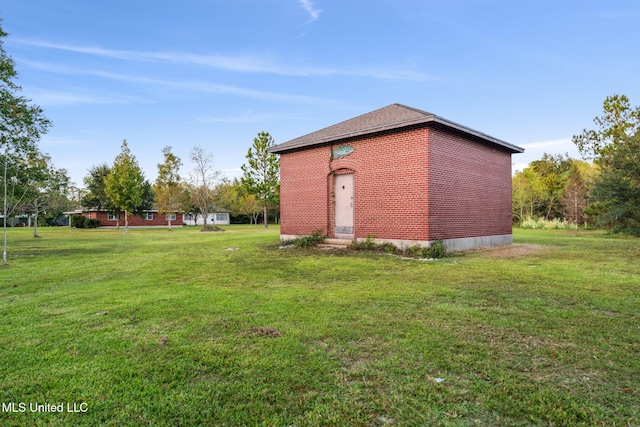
x=152 y=218
x=402 y=175
x=149 y=218
x=218 y=217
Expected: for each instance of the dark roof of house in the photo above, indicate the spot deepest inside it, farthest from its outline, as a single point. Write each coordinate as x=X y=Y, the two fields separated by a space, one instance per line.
x=391 y=117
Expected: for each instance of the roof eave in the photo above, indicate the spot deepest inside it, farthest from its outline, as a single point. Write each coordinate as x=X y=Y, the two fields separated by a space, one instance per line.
x=284 y=147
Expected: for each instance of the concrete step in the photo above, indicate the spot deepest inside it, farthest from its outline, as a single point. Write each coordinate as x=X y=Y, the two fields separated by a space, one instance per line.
x=342 y=242
x=330 y=247
x=334 y=244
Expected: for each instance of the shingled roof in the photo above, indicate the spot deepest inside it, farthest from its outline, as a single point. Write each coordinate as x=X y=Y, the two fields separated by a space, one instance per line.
x=391 y=117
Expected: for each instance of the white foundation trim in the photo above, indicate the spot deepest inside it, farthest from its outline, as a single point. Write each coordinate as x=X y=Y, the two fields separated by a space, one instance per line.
x=452 y=245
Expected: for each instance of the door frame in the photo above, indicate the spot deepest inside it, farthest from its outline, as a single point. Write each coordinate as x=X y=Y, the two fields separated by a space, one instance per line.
x=343 y=233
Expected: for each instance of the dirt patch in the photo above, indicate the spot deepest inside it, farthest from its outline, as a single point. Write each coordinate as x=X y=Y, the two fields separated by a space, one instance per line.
x=511 y=251
x=262 y=332
x=208 y=228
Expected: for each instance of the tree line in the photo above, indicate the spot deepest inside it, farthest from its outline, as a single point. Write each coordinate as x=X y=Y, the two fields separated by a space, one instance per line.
x=122 y=189
x=602 y=189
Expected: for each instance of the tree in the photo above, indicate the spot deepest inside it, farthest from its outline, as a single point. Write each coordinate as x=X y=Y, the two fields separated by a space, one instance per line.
x=528 y=193
x=251 y=206
x=45 y=189
x=618 y=122
x=124 y=185
x=617 y=187
x=148 y=198
x=261 y=175
x=96 y=196
x=167 y=187
x=575 y=196
x=552 y=171
x=202 y=181
x=21 y=126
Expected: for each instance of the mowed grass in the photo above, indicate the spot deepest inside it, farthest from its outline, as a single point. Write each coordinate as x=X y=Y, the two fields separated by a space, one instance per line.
x=187 y=328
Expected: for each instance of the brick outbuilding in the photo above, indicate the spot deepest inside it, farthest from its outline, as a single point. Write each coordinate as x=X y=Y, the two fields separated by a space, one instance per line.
x=401 y=175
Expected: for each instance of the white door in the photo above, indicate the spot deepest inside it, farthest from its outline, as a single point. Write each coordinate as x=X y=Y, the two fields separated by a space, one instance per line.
x=344 y=206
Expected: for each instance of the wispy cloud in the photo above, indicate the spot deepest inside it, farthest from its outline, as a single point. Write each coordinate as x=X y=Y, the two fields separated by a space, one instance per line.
x=48 y=97
x=557 y=143
x=201 y=86
x=237 y=63
x=311 y=10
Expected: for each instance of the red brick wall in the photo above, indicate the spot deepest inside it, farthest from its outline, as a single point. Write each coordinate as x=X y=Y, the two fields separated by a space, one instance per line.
x=390 y=196
x=137 y=221
x=303 y=191
x=470 y=187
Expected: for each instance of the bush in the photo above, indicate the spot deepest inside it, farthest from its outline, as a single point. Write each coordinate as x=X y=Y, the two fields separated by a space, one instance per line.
x=436 y=250
x=370 y=245
x=91 y=223
x=367 y=245
x=306 y=241
x=81 y=221
x=77 y=221
x=389 y=248
x=541 y=223
x=414 y=251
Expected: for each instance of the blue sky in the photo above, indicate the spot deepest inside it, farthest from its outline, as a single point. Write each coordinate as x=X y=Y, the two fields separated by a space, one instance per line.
x=214 y=73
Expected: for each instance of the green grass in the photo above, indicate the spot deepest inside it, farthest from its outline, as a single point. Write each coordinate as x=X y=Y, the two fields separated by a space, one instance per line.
x=167 y=328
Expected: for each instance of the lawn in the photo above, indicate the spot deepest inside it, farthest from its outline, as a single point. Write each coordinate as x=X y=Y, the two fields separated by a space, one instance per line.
x=187 y=328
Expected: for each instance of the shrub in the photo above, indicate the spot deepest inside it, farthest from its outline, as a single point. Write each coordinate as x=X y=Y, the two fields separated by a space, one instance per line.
x=436 y=250
x=389 y=248
x=77 y=221
x=91 y=223
x=306 y=241
x=541 y=223
x=414 y=251
x=368 y=245
x=81 y=221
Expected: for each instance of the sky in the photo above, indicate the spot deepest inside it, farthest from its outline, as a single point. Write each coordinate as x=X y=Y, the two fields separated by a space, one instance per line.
x=214 y=73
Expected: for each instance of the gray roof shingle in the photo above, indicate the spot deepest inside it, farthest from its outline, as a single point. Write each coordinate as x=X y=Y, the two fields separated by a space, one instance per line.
x=391 y=117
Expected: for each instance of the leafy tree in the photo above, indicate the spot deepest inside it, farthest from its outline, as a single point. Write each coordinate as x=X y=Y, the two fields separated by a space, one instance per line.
x=528 y=194
x=148 y=198
x=262 y=173
x=125 y=184
x=251 y=206
x=553 y=171
x=617 y=187
x=167 y=187
x=202 y=181
x=228 y=193
x=45 y=189
x=612 y=146
x=575 y=196
x=96 y=196
x=21 y=126
x=618 y=122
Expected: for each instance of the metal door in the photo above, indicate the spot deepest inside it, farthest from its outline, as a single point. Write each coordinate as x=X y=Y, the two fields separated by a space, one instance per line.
x=344 y=206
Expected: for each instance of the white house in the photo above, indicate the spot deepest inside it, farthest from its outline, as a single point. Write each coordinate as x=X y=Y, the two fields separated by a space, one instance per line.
x=219 y=217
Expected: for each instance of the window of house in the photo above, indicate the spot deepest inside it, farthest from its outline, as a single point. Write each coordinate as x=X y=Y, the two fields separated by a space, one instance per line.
x=112 y=217
x=148 y=216
x=171 y=217
x=221 y=217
